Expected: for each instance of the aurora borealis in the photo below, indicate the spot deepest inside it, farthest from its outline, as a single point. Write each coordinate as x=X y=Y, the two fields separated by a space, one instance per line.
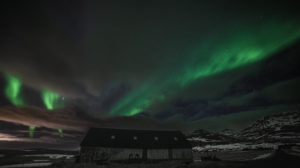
x=50 y=99
x=31 y=131
x=12 y=90
x=179 y=65
x=239 y=49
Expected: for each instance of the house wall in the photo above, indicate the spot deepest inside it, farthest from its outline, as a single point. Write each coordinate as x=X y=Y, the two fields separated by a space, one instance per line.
x=157 y=153
x=89 y=154
x=182 y=154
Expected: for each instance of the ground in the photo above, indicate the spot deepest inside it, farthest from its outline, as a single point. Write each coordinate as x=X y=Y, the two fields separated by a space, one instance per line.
x=234 y=159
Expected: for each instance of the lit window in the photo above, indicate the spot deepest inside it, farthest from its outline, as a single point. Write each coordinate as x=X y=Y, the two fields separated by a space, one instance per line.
x=175 y=138
x=156 y=138
x=135 y=138
x=112 y=137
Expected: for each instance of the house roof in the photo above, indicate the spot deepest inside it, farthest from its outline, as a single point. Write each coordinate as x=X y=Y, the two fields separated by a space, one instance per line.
x=124 y=138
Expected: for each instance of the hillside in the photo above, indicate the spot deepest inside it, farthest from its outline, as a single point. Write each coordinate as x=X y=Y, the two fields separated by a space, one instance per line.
x=266 y=132
x=285 y=125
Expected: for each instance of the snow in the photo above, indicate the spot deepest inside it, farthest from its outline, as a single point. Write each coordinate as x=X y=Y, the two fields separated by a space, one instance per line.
x=262 y=156
x=40 y=160
x=260 y=136
x=296 y=148
x=27 y=165
x=228 y=132
x=53 y=156
x=284 y=137
x=197 y=160
x=198 y=139
x=235 y=147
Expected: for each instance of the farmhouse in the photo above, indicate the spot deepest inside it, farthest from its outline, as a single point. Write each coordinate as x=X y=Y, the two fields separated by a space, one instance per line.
x=123 y=144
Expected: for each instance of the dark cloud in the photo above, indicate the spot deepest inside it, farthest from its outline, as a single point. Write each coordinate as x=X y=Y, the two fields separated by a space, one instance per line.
x=76 y=120
x=285 y=90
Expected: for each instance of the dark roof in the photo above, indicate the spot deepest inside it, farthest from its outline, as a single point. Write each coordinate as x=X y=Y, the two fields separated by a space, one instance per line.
x=123 y=138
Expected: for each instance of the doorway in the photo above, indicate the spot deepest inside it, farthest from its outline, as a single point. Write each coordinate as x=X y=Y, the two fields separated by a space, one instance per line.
x=170 y=152
x=144 y=154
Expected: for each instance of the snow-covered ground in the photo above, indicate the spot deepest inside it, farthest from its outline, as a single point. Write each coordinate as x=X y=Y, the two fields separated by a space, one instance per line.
x=197 y=139
x=234 y=147
x=296 y=148
x=41 y=160
x=53 y=156
x=262 y=156
x=27 y=165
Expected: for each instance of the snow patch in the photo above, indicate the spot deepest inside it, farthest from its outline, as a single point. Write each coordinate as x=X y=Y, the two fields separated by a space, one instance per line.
x=296 y=148
x=53 y=156
x=277 y=128
x=41 y=160
x=200 y=139
x=27 y=165
x=262 y=156
x=235 y=147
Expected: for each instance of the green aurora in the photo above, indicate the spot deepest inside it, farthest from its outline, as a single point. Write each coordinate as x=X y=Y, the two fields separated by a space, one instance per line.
x=240 y=48
x=60 y=131
x=213 y=55
x=31 y=131
x=12 y=90
x=50 y=99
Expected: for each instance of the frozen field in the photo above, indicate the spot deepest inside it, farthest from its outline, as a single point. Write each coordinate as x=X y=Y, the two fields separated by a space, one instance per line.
x=52 y=156
x=230 y=159
x=235 y=146
x=235 y=155
x=27 y=165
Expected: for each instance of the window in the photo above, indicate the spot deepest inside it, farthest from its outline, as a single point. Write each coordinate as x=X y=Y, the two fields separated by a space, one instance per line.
x=175 y=138
x=135 y=138
x=156 y=138
x=112 y=137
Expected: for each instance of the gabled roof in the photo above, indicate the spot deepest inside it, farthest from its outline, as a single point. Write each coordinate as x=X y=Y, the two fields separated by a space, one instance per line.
x=124 y=138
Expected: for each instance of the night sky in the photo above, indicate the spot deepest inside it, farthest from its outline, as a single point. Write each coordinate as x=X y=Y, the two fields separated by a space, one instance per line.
x=167 y=65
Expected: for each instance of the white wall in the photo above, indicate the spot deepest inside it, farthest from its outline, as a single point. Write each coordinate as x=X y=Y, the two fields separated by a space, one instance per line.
x=88 y=154
x=95 y=153
x=157 y=154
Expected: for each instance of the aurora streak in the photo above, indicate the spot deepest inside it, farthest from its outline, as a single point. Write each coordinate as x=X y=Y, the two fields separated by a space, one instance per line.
x=211 y=56
x=50 y=99
x=12 y=90
x=31 y=131
x=51 y=102
x=60 y=131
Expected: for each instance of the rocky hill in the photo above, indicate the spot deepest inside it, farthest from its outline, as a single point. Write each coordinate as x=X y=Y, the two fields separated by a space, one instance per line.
x=285 y=125
x=203 y=137
x=266 y=133
x=275 y=121
x=279 y=126
x=230 y=133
